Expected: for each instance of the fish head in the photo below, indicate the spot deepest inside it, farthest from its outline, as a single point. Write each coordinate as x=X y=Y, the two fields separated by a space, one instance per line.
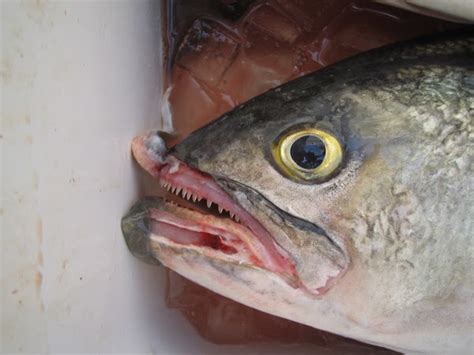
x=343 y=192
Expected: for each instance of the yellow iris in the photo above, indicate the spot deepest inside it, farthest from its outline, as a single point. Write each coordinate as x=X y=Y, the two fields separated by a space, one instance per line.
x=326 y=166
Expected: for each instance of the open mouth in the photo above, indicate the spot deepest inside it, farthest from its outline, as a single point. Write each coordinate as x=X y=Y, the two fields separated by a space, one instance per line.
x=197 y=213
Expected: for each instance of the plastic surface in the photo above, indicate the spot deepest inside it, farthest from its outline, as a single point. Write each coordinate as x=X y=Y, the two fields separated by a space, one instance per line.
x=79 y=80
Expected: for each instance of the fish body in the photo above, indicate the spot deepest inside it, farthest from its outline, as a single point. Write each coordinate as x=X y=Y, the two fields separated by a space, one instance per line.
x=375 y=242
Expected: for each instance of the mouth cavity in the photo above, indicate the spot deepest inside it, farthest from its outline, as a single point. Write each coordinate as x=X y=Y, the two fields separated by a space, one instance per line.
x=197 y=213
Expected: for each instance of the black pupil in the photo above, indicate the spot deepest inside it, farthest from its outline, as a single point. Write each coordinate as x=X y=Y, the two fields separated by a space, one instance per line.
x=308 y=152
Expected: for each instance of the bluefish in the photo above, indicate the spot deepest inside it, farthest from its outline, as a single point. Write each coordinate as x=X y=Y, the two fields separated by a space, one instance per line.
x=342 y=200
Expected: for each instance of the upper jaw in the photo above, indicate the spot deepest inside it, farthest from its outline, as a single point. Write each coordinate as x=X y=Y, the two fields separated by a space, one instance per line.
x=247 y=242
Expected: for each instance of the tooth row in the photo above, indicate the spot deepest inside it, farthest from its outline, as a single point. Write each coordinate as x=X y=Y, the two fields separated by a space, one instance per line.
x=221 y=209
x=189 y=195
x=177 y=190
x=234 y=216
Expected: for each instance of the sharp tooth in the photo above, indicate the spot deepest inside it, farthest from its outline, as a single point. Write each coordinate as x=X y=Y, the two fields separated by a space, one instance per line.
x=220 y=209
x=194 y=198
x=209 y=204
x=189 y=195
x=199 y=198
x=172 y=188
x=231 y=214
x=237 y=218
x=184 y=193
x=178 y=190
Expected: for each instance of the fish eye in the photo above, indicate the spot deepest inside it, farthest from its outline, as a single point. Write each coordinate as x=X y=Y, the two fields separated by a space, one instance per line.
x=308 y=154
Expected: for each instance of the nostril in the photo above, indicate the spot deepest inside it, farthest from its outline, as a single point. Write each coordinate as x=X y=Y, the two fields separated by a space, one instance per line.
x=156 y=147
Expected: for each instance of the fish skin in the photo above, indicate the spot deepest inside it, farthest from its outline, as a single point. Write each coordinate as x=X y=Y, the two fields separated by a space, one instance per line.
x=399 y=209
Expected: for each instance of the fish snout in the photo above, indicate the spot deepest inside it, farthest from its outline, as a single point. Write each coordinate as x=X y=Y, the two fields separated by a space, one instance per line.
x=150 y=151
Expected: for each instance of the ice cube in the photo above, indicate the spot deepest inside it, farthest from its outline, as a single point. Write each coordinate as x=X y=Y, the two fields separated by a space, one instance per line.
x=207 y=50
x=193 y=104
x=331 y=52
x=274 y=23
x=306 y=62
x=363 y=26
x=246 y=79
x=268 y=52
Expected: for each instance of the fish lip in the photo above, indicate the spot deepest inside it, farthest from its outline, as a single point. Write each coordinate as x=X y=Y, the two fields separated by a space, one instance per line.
x=174 y=174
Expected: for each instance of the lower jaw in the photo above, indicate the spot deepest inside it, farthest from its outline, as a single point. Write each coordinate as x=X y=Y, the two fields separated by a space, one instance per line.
x=154 y=220
x=211 y=235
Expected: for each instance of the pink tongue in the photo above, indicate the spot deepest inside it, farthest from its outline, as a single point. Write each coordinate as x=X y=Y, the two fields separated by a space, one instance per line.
x=188 y=237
